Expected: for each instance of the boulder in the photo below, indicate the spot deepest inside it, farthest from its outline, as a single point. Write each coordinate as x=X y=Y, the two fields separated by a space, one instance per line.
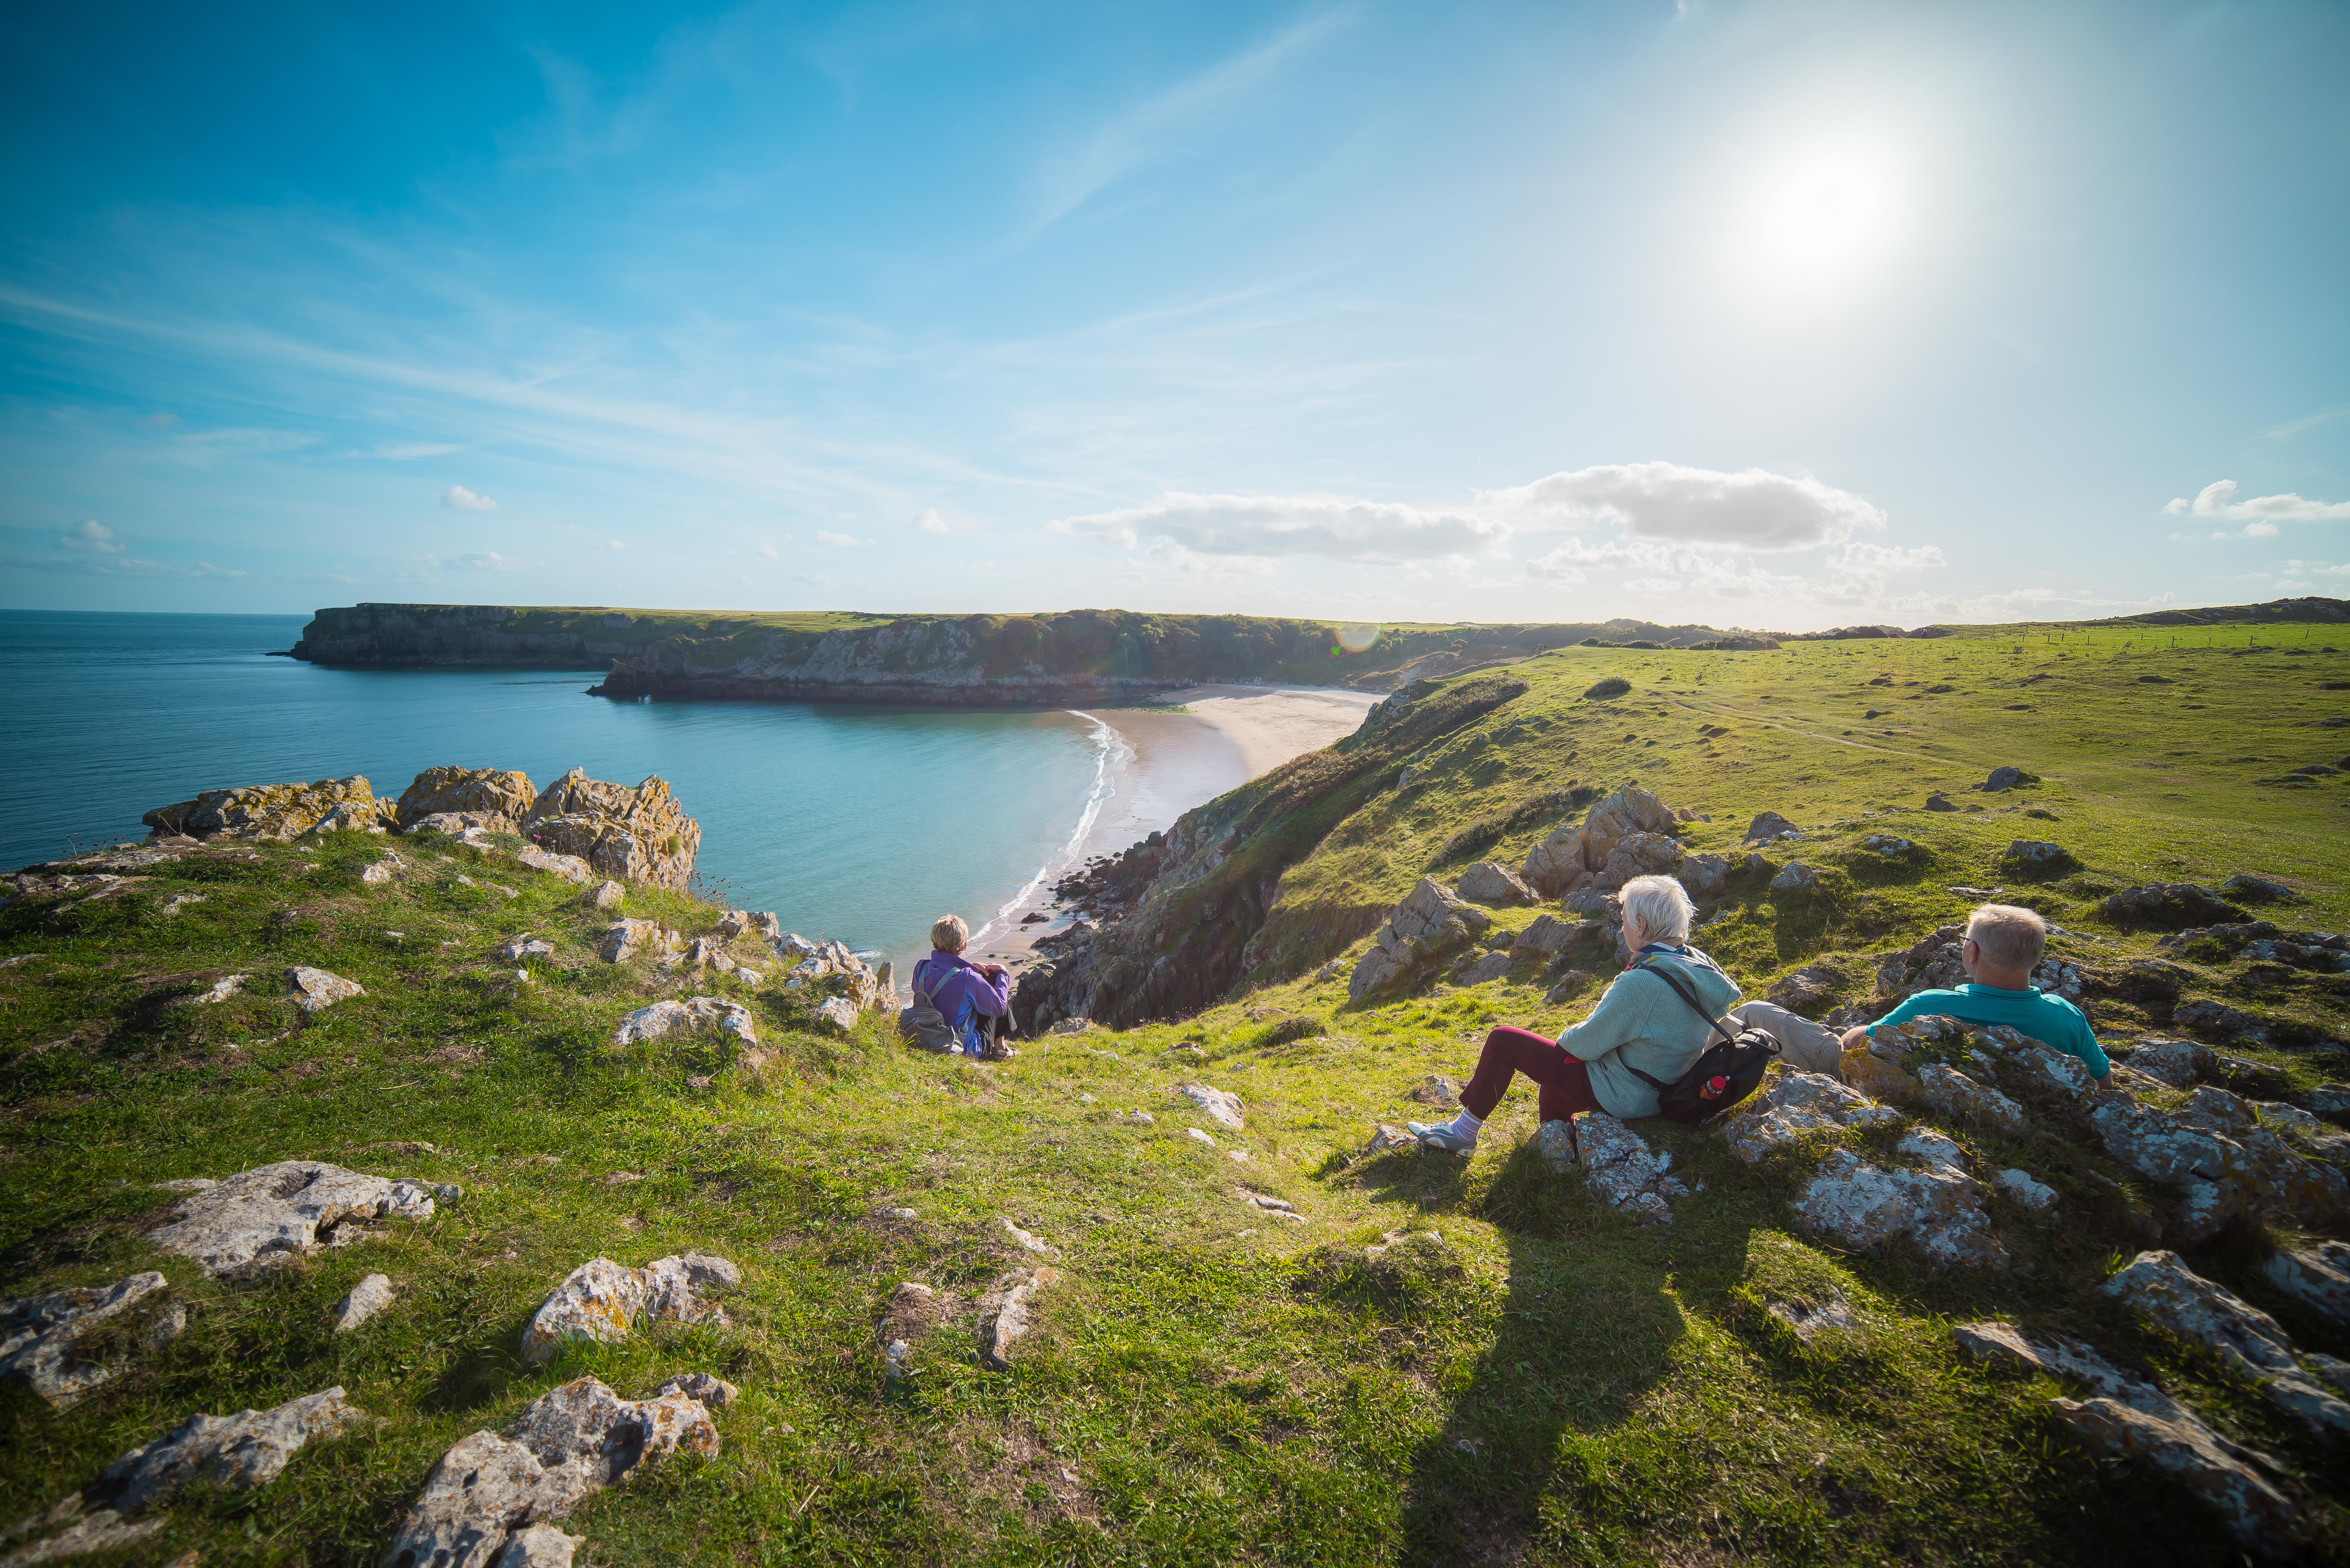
x=1618 y=1165
x=1808 y=991
x=270 y=812
x=2160 y=1287
x=2222 y=1162
x=2260 y=1517
x=1938 y=1210
x=1769 y=828
x=2035 y=856
x=1931 y=963
x=496 y=799
x=1005 y=1312
x=2004 y=778
x=570 y=867
x=665 y=1018
x=605 y=895
x=1954 y=1094
x=1582 y=852
x=1490 y=882
x=1788 y=1105
x=238 y=1451
x=1940 y=802
x=1640 y=855
x=838 y=1014
x=639 y=834
x=624 y=938
x=2247 y=889
x=491 y=1494
x=2318 y=1278
x=2169 y=903
x=1705 y=875
x=2217 y=1017
x=1795 y=880
x=1491 y=967
x=1932 y=1146
x=1222 y=1106
x=1430 y=924
x=602 y=1301
x=315 y=990
x=2179 y=1062
x=100 y=1530
x=367 y=1298
x=40 y=1336
x=1549 y=936
x=473 y=827
x=260 y=1219
x=2033 y=1196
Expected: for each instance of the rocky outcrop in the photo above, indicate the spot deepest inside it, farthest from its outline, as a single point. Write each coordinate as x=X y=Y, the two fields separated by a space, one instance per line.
x=2171 y=904
x=315 y=990
x=2318 y=1278
x=276 y=814
x=366 y=1299
x=1221 y=1106
x=41 y=1348
x=1788 y=1105
x=1490 y=882
x=2214 y=1153
x=260 y=1219
x=602 y=1301
x=495 y=798
x=1429 y=926
x=639 y=834
x=829 y=969
x=1627 y=835
x=624 y=939
x=494 y=1495
x=1939 y=1209
x=1004 y=1317
x=665 y=1018
x=2247 y=1341
x=1618 y=1165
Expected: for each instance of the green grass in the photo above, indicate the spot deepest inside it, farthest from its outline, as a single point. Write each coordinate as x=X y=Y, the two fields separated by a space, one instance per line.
x=1548 y=1383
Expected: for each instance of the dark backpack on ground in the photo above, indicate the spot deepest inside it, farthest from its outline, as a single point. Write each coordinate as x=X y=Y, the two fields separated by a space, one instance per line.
x=1724 y=1073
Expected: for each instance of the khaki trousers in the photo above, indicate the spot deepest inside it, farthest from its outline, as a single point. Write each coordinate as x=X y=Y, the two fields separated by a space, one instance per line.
x=1805 y=1046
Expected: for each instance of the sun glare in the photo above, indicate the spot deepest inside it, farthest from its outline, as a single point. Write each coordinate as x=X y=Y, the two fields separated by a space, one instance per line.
x=1822 y=216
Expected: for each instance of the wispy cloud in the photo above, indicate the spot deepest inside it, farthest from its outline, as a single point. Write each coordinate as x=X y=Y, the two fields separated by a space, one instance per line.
x=929 y=521
x=488 y=561
x=2218 y=499
x=1338 y=528
x=464 y=500
x=92 y=536
x=407 y=451
x=839 y=541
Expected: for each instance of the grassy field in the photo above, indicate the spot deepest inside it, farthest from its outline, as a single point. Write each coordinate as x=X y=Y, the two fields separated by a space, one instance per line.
x=1537 y=1379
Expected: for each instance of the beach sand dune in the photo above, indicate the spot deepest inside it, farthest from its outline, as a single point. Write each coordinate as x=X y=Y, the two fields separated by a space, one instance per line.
x=1171 y=761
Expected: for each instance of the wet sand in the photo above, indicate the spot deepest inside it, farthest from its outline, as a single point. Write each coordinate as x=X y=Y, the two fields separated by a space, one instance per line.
x=1230 y=735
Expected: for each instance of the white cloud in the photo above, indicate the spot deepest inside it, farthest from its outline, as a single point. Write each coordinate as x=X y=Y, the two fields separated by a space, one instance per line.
x=838 y=541
x=92 y=536
x=2318 y=568
x=409 y=451
x=929 y=521
x=814 y=581
x=489 y=560
x=1753 y=509
x=464 y=500
x=2218 y=499
x=1338 y=528
x=614 y=545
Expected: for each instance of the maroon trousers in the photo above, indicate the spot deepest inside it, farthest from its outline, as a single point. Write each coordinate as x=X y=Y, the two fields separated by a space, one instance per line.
x=1566 y=1084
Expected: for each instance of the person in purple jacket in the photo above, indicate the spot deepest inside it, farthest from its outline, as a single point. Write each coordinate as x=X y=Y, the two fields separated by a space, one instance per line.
x=973 y=998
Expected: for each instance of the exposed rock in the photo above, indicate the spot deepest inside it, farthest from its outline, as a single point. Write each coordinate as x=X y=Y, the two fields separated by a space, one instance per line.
x=540 y=1546
x=605 y=895
x=623 y=939
x=270 y=812
x=1617 y=1163
x=2179 y=1062
x=1808 y=991
x=1931 y=963
x=1550 y=935
x=522 y=947
x=2035 y=855
x=1030 y=1242
x=1934 y=1146
x=1937 y=800
x=1705 y=875
x=816 y=963
x=1388 y=1138
x=665 y=1018
x=1939 y=1209
x=221 y=989
x=570 y=867
x=2004 y=778
x=102 y=1529
x=1223 y=1107
x=1003 y=1312
x=601 y=1300
x=1811 y=1320
x=367 y=1298
x=470 y=827
x=2162 y=1288
x=838 y=1015
x=1770 y=827
x=2228 y=1023
x=639 y=834
x=1491 y=967
x=1787 y=1105
x=1200 y=1136
x=39 y=1349
x=489 y=1493
x=2257 y=1514
x=2169 y=903
x=239 y=1451
x=2225 y=1163
x=259 y=1219
x=1588 y=853
x=380 y=873
x=1436 y=1089
x=1430 y=924
x=1890 y=844
x=315 y=990
x=2330 y=1101
x=1954 y=1094
x=2318 y=1278
x=1795 y=879
x=2034 y=1196
x=483 y=793
x=2152 y=980
x=2257 y=890
x=1490 y=882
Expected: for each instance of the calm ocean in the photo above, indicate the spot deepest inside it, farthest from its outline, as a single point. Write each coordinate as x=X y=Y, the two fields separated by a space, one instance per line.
x=863 y=823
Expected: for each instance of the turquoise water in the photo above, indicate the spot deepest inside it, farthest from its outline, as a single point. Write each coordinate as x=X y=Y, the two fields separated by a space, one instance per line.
x=864 y=823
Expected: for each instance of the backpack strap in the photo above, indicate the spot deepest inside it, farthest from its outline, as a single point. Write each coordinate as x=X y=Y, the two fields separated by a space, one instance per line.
x=1694 y=1006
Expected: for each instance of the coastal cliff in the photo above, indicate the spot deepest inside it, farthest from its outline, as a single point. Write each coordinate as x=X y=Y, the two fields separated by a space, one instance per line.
x=529 y=637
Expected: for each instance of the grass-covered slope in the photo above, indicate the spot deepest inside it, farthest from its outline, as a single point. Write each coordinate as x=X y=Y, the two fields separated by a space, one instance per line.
x=1545 y=1383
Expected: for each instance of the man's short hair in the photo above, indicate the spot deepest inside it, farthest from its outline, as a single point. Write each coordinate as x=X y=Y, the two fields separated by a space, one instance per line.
x=1663 y=906
x=950 y=935
x=2010 y=938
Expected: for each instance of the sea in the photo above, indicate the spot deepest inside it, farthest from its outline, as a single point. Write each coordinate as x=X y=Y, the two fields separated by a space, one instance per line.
x=863 y=823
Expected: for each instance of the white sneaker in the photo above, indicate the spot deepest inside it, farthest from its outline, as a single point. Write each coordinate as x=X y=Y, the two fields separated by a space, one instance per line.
x=1440 y=1135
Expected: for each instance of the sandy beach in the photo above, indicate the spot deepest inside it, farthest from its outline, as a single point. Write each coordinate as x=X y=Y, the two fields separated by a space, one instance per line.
x=1171 y=761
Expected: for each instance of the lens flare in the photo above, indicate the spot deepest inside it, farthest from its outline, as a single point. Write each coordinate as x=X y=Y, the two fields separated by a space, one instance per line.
x=1356 y=636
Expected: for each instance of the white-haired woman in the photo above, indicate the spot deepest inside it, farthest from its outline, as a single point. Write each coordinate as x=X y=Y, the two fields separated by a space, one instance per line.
x=1641 y=1026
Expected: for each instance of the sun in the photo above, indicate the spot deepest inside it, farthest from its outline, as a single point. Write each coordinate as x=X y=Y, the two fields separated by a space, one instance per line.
x=1824 y=215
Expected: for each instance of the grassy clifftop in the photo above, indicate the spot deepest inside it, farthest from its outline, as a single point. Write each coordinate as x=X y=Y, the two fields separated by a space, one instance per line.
x=1520 y=1375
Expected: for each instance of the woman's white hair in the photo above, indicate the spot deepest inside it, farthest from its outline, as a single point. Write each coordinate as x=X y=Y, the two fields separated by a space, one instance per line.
x=1662 y=907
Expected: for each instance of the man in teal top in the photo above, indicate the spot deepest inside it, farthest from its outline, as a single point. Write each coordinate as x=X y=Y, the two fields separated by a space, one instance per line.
x=2000 y=948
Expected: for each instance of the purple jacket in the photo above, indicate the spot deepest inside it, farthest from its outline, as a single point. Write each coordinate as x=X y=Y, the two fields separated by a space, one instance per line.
x=989 y=999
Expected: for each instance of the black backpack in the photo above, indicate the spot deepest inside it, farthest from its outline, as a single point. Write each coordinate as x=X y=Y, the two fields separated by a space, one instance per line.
x=1723 y=1075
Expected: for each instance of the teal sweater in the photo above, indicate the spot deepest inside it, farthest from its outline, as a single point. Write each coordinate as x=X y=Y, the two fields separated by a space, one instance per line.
x=1639 y=1022
x=2051 y=1020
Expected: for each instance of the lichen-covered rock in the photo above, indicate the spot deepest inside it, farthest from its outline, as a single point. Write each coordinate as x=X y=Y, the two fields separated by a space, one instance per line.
x=601 y=1300
x=607 y=894
x=1806 y=992
x=1005 y=1312
x=665 y=1018
x=2257 y=1514
x=1931 y=963
x=2177 y=1062
x=570 y=867
x=624 y=938
x=1581 y=854
x=1932 y=1147
x=2249 y=1342
x=315 y=990
x=1795 y=880
x=238 y=1451
x=2034 y=1196
x=2169 y=903
x=366 y=1299
x=838 y=1014
x=1954 y=1094
x=2215 y=1153
x=498 y=799
x=1705 y=875
x=259 y=1219
x=40 y=1336
x=2217 y=1017
x=2035 y=856
x=1222 y=1106
x=1549 y=936
x=639 y=834
x=270 y=812
x=2318 y=1278
x=1430 y=924
x=489 y=1493
x=1789 y=1104
x=1939 y=1209
x=1490 y=882
x=1617 y=1164
x=1479 y=972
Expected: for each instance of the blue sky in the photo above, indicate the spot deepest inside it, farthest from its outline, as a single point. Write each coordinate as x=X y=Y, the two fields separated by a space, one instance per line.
x=1771 y=314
